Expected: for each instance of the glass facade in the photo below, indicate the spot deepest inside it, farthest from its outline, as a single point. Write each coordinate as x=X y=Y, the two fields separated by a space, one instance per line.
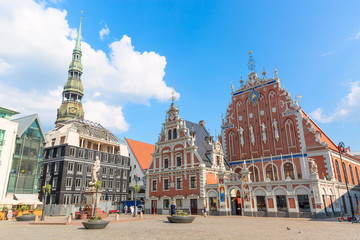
x=26 y=166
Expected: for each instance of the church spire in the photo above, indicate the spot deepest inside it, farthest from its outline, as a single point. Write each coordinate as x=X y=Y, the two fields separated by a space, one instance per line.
x=71 y=106
x=78 y=39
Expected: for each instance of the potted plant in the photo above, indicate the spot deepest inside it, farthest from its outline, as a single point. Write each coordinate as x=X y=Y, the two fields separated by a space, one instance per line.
x=3 y=211
x=24 y=209
x=37 y=211
x=181 y=217
x=95 y=223
x=26 y=217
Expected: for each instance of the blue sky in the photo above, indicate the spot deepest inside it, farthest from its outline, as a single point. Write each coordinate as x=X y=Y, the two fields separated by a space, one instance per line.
x=197 y=46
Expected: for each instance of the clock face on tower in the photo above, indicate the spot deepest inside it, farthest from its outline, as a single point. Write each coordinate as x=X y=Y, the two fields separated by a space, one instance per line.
x=254 y=96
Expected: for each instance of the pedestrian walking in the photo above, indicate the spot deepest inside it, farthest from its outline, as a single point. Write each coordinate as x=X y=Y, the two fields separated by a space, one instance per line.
x=80 y=210
x=9 y=214
x=173 y=208
x=204 y=210
x=125 y=209
x=132 y=210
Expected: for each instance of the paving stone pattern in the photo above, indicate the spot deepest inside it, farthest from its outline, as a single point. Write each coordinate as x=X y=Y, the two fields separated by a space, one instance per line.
x=157 y=227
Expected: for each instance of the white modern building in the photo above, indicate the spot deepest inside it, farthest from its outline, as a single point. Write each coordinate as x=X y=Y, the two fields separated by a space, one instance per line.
x=8 y=131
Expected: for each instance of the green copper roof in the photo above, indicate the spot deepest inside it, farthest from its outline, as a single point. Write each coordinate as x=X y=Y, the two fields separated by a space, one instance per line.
x=78 y=39
x=71 y=106
x=8 y=111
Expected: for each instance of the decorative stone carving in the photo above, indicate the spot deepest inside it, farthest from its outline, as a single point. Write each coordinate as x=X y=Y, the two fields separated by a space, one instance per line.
x=252 y=136
x=313 y=166
x=241 y=133
x=276 y=131
x=96 y=167
x=263 y=128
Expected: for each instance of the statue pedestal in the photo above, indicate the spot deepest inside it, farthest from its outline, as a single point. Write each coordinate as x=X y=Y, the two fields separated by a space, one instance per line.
x=90 y=198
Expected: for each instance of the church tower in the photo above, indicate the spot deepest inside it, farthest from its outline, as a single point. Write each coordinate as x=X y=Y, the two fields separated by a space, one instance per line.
x=71 y=106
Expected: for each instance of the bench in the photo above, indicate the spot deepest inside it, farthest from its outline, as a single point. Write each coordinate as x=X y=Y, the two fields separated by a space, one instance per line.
x=113 y=211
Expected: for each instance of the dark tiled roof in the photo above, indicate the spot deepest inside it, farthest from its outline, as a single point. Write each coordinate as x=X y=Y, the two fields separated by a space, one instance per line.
x=201 y=141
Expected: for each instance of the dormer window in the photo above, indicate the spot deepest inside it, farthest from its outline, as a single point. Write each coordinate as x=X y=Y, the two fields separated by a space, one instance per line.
x=217 y=160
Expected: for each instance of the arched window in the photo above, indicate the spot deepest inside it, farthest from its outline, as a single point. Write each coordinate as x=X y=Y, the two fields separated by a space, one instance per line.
x=351 y=174
x=357 y=175
x=232 y=143
x=289 y=170
x=345 y=173
x=254 y=174
x=271 y=172
x=338 y=171
x=174 y=134
x=238 y=170
x=169 y=135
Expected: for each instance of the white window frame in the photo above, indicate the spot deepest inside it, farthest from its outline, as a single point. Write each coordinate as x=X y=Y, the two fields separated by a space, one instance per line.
x=190 y=182
x=76 y=199
x=72 y=152
x=77 y=168
x=164 y=184
x=152 y=185
x=78 y=180
x=54 y=182
x=176 y=160
x=81 y=153
x=91 y=155
x=70 y=169
x=67 y=199
x=176 y=183
x=66 y=184
x=56 y=167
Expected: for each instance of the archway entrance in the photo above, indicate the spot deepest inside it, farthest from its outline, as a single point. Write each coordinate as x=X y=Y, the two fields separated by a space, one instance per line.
x=235 y=202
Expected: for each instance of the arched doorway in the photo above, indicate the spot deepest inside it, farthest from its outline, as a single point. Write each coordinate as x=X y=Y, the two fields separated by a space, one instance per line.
x=235 y=199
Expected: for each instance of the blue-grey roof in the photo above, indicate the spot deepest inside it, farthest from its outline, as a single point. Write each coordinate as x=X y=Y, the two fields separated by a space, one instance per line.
x=201 y=141
x=25 y=122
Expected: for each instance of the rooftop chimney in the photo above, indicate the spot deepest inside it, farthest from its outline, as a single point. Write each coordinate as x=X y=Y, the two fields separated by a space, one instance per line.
x=202 y=123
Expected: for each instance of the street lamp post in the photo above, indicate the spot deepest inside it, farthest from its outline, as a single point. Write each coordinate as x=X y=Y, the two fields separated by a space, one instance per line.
x=47 y=179
x=341 y=148
x=135 y=190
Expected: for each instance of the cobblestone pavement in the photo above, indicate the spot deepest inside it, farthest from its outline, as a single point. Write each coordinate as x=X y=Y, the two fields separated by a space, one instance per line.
x=157 y=227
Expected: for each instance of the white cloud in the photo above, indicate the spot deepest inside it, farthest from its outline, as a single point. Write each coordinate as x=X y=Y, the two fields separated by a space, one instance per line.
x=104 y=32
x=327 y=53
x=106 y=115
x=347 y=110
x=356 y=36
x=35 y=51
x=4 y=67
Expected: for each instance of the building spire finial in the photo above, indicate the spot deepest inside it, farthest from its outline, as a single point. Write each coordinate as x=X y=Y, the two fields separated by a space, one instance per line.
x=251 y=63
x=172 y=95
x=78 y=39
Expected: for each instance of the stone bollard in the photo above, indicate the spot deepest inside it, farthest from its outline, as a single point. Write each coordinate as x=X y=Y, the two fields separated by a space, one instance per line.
x=36 y=218
x=117 y=217
x=68 y=219
x=141 y=215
